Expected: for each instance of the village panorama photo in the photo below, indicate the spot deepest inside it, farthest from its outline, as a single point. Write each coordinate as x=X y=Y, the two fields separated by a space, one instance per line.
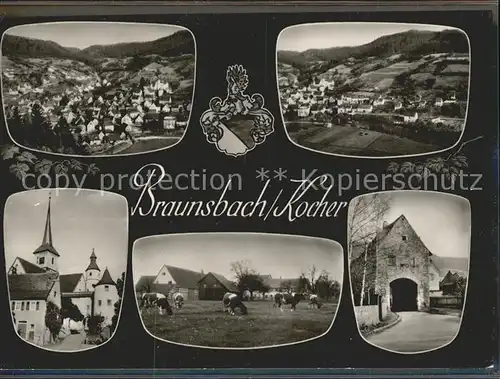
x=66 y=258
x=97 y=88
x=373 y=89
x=237 y=290
x=409 y=264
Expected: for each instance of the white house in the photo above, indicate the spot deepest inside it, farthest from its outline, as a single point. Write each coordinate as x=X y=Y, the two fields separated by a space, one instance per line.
x=438 y=102
x=172 y=279
x=409 y=118
x=398 y=105
x=304 y=111
x=363 y=109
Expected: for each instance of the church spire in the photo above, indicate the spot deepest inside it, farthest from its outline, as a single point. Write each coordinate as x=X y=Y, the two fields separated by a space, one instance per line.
x=93 y=264
x=47 y=235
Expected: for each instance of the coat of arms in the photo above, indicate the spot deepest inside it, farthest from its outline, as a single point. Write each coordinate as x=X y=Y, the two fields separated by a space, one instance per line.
x=237 y=124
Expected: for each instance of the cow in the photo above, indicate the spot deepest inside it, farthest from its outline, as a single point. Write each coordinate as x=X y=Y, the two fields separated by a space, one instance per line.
x=178 y=300
x=157 y=300
x=231 y=301
x=314 y=302
x=287 y=298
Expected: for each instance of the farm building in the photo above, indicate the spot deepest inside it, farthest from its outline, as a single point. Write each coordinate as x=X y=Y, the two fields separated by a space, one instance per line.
x=172 y=279
x=213 y=286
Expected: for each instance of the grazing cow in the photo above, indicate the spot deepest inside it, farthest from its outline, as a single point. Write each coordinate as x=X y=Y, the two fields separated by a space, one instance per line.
x=157 y=300
x=314 y=302
x=178 y=300
x=287 y=298
x=231 y=301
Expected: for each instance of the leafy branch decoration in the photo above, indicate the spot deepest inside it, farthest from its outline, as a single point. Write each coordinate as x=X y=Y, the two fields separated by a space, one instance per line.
x=450 y=166
x=24 y=162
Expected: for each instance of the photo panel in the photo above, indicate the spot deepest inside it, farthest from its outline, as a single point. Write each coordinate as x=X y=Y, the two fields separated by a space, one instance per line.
x=66 y=259
x=97 y=88
x=368 y=89
x=237 y=290
x=409 y=255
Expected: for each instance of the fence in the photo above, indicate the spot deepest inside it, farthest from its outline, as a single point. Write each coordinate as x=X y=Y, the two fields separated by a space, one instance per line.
x=455 y=302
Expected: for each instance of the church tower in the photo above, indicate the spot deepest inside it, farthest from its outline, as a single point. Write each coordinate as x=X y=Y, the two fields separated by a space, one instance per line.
x=46 y=255
x=92 y=273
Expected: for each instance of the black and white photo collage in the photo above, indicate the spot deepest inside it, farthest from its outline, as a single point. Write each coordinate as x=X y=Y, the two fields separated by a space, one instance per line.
x=248 y=190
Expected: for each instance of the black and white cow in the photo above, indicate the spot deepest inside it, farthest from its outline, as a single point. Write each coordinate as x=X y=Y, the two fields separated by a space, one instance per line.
x=292 y=299
x=178 y=300
x=314 y=302
x=231 y=301
x=157 y=300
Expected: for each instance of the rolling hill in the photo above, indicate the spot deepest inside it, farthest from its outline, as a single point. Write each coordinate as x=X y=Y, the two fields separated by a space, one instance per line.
x=178 y=43
x=412 y=42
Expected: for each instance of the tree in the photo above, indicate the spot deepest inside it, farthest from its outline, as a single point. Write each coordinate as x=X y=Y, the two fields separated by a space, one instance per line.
x=94 y=324
x=53 y=319
x=70 y=310
x=247 y=279
x=365 y=217
x=118 y=305
x=286 y=286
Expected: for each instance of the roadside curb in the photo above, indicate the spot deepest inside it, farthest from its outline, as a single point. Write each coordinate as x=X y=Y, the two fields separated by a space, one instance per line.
x=382 y=328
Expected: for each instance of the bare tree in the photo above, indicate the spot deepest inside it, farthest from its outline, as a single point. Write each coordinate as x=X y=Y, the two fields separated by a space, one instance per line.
x=248 y=279
x=365 y=219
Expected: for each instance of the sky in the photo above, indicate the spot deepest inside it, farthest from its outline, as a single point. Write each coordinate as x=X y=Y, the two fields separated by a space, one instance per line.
x=85 y=34
x=442 y=221
x=278 y=255
x=80 y=222
x=339 y=34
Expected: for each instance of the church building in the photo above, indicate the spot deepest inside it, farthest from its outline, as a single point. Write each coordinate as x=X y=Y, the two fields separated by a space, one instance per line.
x=33 y=285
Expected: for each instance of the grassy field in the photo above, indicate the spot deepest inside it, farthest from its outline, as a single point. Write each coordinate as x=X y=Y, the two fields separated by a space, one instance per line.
x=350 y=140
x=146 y=145
x=203 y=323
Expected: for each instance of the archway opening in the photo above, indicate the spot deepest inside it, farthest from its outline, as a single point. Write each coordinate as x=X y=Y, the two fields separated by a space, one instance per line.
x=404 y=295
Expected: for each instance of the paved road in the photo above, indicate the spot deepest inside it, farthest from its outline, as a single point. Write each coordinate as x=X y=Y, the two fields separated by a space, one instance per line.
x=417 y=332
x=72 y=342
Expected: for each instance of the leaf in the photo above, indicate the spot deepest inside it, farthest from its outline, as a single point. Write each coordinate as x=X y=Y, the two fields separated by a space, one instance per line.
x=407 y=167
x=8 y=152
x=435 y=164
x=393 y=168
x=75 y=165
x=60 y=168
x=92 y=169
x=459 y=161
x=43 y=166
x=28 y=157
x=19 y=170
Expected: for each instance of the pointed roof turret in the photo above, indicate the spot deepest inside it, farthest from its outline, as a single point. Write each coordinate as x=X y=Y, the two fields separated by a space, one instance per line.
x=106 y=279
x=47 y=235
x=93 y=265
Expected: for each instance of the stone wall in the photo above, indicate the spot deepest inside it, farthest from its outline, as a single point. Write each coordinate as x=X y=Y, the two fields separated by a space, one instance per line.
x=367 y=315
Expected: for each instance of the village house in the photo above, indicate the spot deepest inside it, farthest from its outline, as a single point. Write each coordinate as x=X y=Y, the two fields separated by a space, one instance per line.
x=91 y=292
x=438 y=102
x=171 y=279
x=213 y=286
x=398 y=105
x=304 y=111
x=363 y=109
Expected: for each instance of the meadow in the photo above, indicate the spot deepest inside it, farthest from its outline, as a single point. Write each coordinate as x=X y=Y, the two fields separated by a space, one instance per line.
x=203 y=323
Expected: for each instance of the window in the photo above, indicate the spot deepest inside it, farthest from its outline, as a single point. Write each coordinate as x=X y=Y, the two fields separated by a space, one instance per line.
x=431 y=276
x=18 y=305
x=37 y=305
x=90 y=273
x=164 y=273
x=13 y=306
x=106 y=288
x=169 y=282
x=413 y=262
x=404 y=238
x=32 y=326
x=392 y=260
x=41 y=260
x=52 y=260
x=27 y=305
x=99 y=303
x=22 y=305
x=55 y=293
x=109 y=302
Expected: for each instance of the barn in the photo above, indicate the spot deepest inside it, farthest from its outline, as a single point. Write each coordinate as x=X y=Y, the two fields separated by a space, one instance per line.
x=171 y=279
x=213 y=286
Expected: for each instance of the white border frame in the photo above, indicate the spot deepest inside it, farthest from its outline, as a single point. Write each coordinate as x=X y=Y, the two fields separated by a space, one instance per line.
x=91 y=347
x=244 y=233
x=435 y=193
x=366 y=156
x=101 y=22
